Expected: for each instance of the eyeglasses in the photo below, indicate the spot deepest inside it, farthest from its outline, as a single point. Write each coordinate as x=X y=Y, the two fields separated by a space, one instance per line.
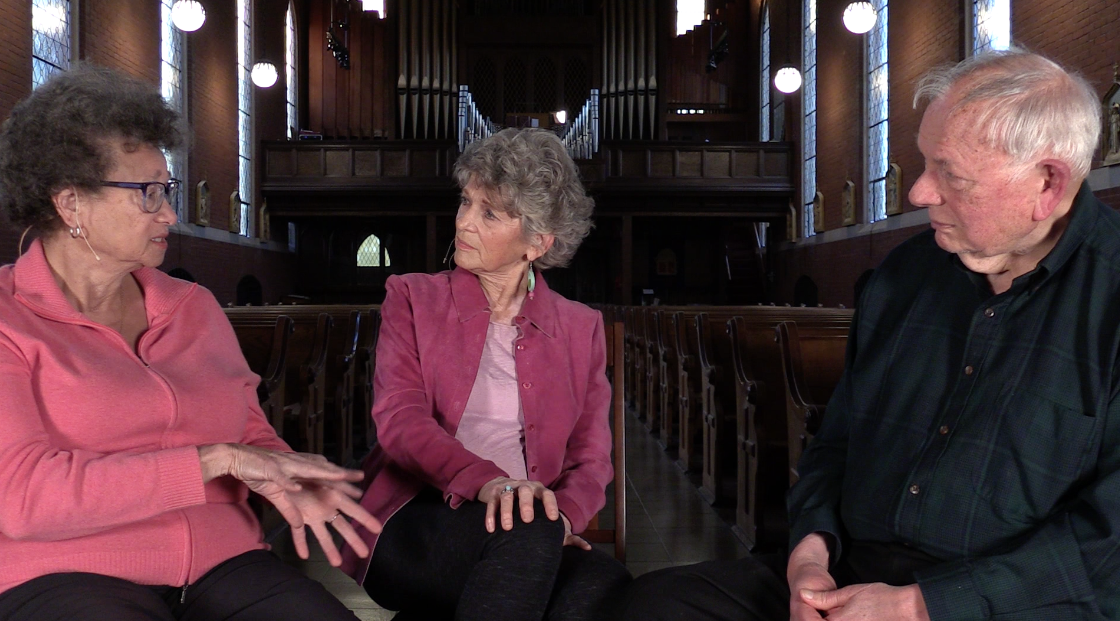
x=154 y=192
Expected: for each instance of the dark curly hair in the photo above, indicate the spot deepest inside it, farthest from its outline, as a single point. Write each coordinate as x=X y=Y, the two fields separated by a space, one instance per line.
x=59 y=137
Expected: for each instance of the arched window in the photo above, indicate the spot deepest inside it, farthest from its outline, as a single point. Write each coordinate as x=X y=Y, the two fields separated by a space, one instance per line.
x=50 y=39
x=878 y=110
x=990 y=22
x=689 y=15
x=764 y=75
x=172 y=54
x=370 y=253
x=245 y=114
x=809 y=121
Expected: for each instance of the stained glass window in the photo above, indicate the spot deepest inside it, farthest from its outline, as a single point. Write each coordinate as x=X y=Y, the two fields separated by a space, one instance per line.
x=370 y=253
x=245 y=115
x=764 y=73
x=878 y=109
x=50 y=39
x=290 y=72
x=809 y=122
x=171 y=81
x=991 y=25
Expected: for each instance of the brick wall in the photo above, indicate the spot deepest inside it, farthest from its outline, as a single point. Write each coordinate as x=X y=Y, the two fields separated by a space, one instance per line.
x=218 y=266
x=839 y=110
x=122 y=34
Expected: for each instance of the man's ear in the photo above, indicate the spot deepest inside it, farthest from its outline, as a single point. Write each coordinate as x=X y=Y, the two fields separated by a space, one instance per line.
x=66 y=205
x=1057 y=179
x=539 y=245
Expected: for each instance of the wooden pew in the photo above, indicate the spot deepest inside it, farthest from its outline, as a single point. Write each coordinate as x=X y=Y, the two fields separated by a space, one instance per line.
x=341 y=375
x=367 y=360
x=266 y=351
x=651 y=382
x=309 y=411
x=305 y=320
x=616 y=372
x=669 y=402
x=813 y=361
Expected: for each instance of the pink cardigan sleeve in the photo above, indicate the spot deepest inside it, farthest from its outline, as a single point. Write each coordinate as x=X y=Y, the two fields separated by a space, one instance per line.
x=403 y=411
x=581 y=487
x=51 y=494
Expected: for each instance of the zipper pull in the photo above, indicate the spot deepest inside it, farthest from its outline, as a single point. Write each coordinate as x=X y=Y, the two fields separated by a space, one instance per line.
x=183 y=595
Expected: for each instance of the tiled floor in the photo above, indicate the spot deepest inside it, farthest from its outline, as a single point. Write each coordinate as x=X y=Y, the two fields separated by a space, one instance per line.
x=668 y=523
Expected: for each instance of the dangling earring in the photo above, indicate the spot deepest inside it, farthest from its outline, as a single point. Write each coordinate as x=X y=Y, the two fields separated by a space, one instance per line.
x=532 y=280
x=447 y=257
x=76 y=231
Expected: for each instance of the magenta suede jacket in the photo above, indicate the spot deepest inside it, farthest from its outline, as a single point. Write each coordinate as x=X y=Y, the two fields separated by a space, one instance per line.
x=433 y=328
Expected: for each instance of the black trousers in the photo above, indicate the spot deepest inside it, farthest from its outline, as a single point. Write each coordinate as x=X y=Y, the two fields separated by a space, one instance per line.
x=755 y=588
x=433 y=562
x=254 y=586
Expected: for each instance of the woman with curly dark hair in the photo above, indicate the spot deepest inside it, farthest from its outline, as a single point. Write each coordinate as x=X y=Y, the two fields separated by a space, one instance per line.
x=132 y=434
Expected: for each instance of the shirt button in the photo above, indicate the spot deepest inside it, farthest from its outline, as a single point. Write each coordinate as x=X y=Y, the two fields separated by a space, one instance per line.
x=520 y=347
x=914 y=489
x=533 y=469
x=944 y=429
x=527 y=385
x=532 y=427
x=989 y=313
x=968 y=370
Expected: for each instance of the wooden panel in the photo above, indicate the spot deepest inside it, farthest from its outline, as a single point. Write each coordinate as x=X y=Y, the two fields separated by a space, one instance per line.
x=309 y=163
x=338 y=163
x=365 y=163
x=717 y=164
x=424 y=163
x=746 y=164
x=688 y=163
x=661 y=164
x=775 y=164
x=633 y=163
x=280 y=163
x=394 y=163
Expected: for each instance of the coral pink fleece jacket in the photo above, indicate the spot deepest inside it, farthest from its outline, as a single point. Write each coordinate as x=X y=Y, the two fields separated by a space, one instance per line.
x=433 y=329
x=99 y=470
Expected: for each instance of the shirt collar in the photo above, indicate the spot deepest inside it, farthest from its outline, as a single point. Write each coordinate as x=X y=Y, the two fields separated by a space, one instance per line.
x=469 y=300
x=35 y=285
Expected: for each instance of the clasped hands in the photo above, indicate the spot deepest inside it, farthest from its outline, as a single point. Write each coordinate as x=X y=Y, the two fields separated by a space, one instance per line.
x=500 y=504
x=307 y=490
x=813 y=592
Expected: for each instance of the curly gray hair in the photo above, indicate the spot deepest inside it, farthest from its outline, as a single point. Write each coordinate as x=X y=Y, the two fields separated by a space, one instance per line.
x=57 y=137
x=537 y=181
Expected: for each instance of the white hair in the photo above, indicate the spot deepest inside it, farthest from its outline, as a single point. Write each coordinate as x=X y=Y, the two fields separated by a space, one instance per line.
x=1031 y=107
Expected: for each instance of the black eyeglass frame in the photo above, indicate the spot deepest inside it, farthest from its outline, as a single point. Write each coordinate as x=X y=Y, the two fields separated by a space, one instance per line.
x=170 y=191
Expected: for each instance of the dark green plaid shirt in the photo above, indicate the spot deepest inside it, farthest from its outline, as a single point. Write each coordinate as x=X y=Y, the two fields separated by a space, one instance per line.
x=983 y=429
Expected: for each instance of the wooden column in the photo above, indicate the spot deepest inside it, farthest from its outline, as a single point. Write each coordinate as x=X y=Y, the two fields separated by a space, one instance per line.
x=432 y=250
x=627 y=259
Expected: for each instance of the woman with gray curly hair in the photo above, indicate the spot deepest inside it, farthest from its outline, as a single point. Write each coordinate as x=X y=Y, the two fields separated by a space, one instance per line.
x=132 y=433
x=492 y=409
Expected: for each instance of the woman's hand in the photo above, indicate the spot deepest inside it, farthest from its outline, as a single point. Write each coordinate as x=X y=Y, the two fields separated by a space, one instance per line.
x=317 y=506
x=306 y=489
x=500 y=494
x=573 y=540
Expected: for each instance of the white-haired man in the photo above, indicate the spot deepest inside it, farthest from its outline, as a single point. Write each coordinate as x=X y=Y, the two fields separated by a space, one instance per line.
x=969 y=463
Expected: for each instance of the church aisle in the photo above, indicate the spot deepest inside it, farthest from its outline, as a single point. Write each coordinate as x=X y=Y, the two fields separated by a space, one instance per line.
x=668 y=524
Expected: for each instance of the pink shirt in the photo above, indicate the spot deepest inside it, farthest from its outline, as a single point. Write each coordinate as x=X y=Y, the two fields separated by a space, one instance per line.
x=98 y=466
x=493 y=424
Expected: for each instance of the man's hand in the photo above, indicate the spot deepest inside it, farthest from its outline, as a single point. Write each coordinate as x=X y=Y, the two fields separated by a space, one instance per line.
x=866 y=602
x=808 y=570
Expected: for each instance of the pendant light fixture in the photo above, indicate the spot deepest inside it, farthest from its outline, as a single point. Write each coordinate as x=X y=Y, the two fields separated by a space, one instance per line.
x=188 y=15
